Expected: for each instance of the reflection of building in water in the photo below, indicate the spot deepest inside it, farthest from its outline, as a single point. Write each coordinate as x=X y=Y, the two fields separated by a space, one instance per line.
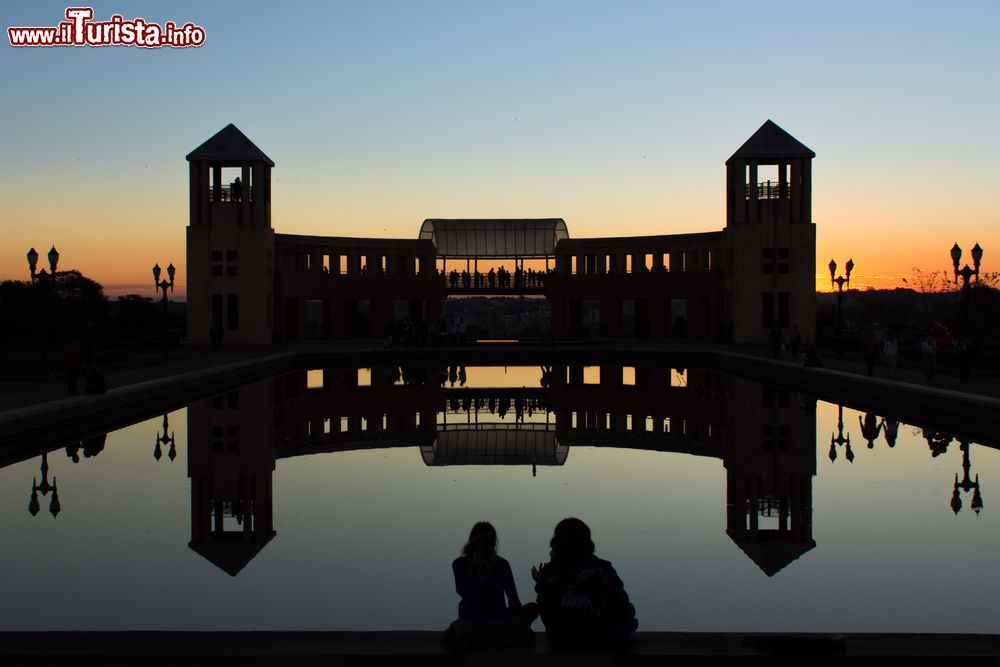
x=230 y=462
x=766 y=442
x=770 y=459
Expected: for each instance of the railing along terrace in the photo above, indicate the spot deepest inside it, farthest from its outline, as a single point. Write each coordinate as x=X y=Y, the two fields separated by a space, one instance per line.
x=230 y=194
x=495 y=281
x=771 y=190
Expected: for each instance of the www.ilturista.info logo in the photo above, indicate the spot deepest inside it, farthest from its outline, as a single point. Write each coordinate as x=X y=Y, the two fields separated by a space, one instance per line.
x=80 y=30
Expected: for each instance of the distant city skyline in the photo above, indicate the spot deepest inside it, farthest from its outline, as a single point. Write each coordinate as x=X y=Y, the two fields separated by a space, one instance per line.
x=616 y=118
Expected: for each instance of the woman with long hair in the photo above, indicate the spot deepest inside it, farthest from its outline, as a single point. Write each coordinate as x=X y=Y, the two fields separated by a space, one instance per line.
x=483 y=579
x=581 y=599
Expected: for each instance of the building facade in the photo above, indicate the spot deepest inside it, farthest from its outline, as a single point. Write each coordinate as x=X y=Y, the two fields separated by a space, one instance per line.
x=254 y=287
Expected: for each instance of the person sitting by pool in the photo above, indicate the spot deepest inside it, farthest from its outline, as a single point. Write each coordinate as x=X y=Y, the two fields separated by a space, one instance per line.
x=483 y=579
x=582 y=602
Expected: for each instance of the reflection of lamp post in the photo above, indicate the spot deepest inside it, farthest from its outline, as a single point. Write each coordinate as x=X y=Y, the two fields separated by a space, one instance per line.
x=163 y=285
x=165 y=439
x=45 y=281
x=33 y=504
x=966 y=484
x=840 y=439
x=966 y=273
x=840 y=281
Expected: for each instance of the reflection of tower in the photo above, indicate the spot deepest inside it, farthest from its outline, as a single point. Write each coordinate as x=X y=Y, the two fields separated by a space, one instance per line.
x=770 y=239
x=230 y=243
x=770 y=459
x=230 y=463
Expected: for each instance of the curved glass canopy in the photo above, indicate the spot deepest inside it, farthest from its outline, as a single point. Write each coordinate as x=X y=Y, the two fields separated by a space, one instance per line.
x=527 y=238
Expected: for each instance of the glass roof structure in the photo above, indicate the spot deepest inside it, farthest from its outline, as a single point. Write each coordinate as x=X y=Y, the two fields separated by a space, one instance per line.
x=528 y=238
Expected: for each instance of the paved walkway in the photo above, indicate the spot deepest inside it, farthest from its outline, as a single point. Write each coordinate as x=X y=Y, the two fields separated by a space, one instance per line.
x=16 y=394
x=982 y=383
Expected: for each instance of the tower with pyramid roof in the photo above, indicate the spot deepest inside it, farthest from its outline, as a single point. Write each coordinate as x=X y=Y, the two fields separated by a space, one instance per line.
x=769 y=239
x=230 y=242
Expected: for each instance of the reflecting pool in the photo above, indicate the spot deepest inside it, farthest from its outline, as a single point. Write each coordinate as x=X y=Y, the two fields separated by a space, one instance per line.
x=337 y=498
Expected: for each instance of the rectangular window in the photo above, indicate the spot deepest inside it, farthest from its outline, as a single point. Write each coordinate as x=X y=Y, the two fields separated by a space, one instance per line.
x=233 y=312
x=216 y=255
x=783 y=267
x=231 y=255
x=782 y=253
x=216 y=270
x=783 y=310
x=231 y=270
x=767 y=310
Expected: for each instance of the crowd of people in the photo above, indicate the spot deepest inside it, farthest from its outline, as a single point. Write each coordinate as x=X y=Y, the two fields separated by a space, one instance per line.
x=580 y=598
x=497 y=279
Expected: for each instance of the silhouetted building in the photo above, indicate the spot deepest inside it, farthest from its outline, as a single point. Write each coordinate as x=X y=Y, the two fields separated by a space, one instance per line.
x=739 y=283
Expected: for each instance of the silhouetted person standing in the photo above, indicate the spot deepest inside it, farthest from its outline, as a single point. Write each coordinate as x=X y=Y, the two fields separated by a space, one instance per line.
x=869 y=350
x=74 y=363
x=929 y=353
x=794 y=341
x=964 y=349
x=236 y=190
x=777 y=341
x=215 y=335
x=582 y=601
x=483 y=579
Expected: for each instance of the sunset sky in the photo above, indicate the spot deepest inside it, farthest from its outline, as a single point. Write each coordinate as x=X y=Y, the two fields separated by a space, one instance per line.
x=617 y=117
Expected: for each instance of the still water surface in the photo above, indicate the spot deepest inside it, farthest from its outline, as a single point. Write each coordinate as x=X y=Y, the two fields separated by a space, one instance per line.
x=337 y=499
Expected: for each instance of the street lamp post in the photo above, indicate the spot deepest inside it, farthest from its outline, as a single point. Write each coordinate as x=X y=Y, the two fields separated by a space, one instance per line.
x=46 y=282
x=966 y=273
x=163 y=286
x=840 y=281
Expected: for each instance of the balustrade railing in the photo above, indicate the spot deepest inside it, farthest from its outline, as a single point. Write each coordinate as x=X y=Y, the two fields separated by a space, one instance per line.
x=228 y=193
x=770 y=190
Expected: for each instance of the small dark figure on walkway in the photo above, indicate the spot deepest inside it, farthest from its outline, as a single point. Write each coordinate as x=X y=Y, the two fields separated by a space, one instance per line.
x=93 y=378
x=483 y=579
x=810 y=358
x=215 y=334
x=891 y=350
x=777 y=341
x=236 y=190
x=964 y=349
x=795 y=341
x=582 y=601
x=74 y=363
x=869 y=350
x=929 y=353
